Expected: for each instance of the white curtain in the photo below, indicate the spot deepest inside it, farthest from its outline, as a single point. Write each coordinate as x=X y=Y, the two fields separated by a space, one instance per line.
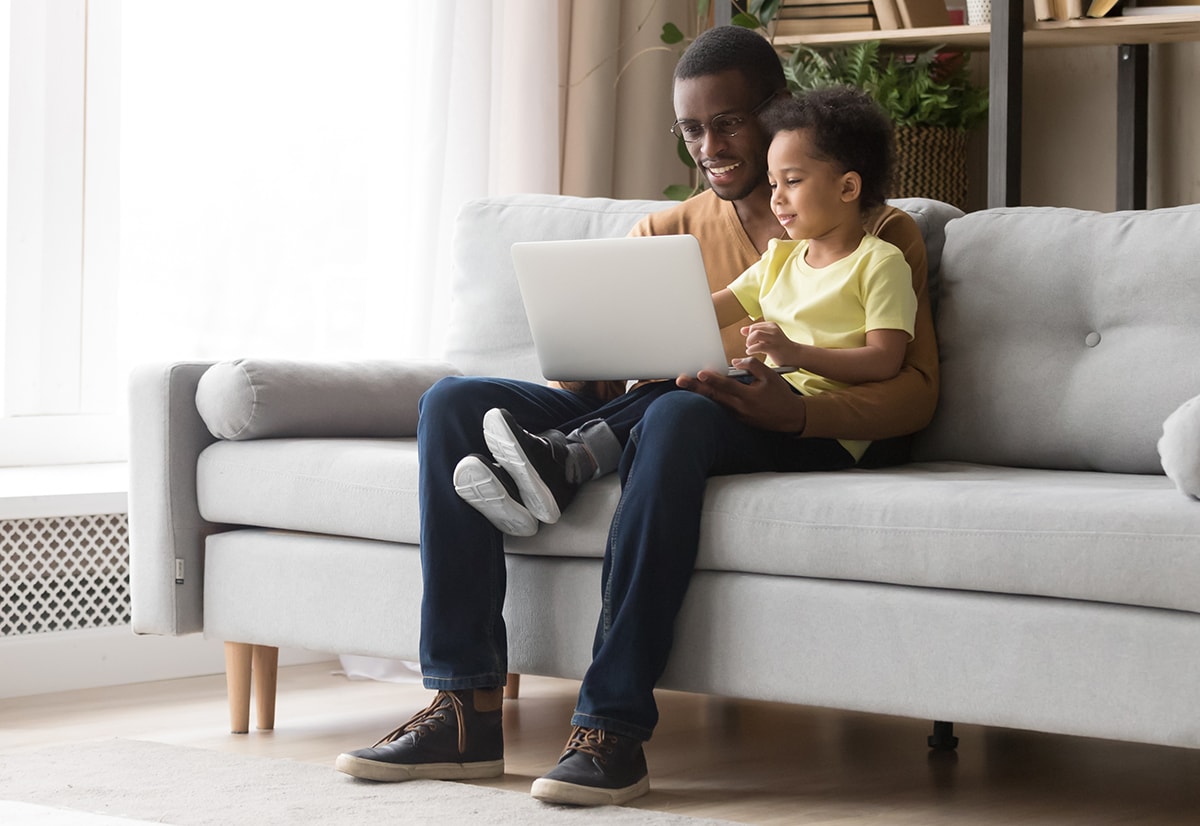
x=290 y=169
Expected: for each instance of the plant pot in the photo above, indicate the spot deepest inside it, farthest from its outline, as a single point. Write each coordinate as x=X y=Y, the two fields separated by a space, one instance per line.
x=931 y=162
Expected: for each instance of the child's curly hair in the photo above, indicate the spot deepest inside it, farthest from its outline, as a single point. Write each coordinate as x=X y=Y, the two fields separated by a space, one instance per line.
x=848 y=128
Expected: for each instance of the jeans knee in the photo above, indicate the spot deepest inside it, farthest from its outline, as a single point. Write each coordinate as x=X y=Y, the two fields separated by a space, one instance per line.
x=680 y=410
x=453 y=405
x=441 y=396
x=678 y=424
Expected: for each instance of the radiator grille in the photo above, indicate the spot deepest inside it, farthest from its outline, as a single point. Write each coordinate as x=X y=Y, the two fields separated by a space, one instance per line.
x=63 y=573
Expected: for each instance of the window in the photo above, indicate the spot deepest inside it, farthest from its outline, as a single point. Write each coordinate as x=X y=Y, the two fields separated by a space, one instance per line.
x=204 y=181
x=55 y=329
x=273 y=178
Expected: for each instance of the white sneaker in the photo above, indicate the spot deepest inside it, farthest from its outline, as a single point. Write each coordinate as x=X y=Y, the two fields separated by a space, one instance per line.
x=489 y=489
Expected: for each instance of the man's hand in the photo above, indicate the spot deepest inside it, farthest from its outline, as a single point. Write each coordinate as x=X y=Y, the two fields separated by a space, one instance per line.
x=767 y=401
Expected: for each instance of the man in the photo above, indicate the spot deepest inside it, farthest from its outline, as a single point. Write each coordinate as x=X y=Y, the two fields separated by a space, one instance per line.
x=724 y=426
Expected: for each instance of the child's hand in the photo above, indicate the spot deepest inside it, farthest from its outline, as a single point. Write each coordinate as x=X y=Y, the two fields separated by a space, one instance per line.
x=766 y=338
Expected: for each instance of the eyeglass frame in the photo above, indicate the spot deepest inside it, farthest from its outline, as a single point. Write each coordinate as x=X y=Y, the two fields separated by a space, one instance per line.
x=707 y=126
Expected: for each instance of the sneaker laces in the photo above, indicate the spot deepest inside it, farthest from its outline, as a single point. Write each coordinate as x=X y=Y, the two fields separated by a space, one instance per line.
x=593 y=741
x=429 y=718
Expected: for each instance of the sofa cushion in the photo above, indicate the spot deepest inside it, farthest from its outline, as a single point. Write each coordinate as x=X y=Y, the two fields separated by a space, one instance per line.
x=364 y=488
x=1179 y=447
x=1121 y=538
x=268 y=398
x=1065 y=337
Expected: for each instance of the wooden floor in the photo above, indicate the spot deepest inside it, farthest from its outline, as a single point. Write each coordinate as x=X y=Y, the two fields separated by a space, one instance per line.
x=741 y=761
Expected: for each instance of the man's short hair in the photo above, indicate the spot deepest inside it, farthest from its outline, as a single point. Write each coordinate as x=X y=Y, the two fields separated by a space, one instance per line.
x=722 y=48
x=848 y=128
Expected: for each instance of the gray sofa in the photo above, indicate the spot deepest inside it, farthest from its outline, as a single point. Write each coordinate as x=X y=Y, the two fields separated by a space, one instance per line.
x=1033 y=567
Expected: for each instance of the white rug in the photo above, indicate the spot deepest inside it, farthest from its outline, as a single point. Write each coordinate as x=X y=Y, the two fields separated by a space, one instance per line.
x=142 y=781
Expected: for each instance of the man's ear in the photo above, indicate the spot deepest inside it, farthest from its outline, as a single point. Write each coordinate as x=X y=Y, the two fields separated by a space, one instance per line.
x=851 y=187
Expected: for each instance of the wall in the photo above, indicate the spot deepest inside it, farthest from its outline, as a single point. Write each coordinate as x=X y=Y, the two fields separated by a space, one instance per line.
x=1069 y=131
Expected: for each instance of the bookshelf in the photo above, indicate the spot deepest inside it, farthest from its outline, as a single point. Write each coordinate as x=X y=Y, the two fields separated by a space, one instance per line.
x=1006 y=39
x=1083 y=32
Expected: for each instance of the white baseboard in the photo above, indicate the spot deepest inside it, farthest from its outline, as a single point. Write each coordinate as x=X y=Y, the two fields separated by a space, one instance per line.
x=96 y=657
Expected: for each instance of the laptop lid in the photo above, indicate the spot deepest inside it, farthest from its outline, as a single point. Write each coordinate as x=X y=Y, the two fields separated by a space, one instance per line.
x=619 y=308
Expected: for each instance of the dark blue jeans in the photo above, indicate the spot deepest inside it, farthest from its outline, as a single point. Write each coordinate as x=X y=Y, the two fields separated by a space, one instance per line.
x=678 y=441
x=682 y=440
x=463 y=639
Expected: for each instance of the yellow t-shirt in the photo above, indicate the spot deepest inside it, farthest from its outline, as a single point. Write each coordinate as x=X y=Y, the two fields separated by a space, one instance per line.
x=832 y=307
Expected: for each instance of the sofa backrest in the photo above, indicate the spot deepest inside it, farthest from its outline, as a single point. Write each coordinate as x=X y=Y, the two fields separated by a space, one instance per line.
x=487 y=332
x=1066 y=337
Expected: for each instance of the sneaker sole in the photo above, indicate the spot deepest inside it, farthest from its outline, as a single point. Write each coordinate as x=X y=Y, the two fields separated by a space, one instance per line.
x=476 y=485
x=398 y=772
x=571 y=794
x=502 y=442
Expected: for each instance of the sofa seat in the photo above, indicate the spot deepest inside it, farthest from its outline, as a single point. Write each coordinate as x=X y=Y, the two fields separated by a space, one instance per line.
x=943 y=525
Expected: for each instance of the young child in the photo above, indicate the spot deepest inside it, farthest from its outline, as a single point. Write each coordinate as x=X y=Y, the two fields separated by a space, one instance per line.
x=832 y=300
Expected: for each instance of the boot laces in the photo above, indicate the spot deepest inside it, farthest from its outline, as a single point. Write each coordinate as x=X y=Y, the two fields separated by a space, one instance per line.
x=430 y=718
x=592 y=741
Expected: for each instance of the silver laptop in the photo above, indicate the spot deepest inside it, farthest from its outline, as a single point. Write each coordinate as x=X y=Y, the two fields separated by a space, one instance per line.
x=619 y=308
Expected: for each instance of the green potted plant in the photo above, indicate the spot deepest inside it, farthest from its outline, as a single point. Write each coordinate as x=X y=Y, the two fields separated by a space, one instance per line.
x=930 y=96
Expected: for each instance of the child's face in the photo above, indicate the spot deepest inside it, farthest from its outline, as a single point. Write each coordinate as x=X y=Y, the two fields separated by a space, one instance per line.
x=810 y=196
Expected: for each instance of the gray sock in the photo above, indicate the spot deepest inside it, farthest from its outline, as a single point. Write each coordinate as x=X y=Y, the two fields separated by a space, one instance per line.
x=592 y=451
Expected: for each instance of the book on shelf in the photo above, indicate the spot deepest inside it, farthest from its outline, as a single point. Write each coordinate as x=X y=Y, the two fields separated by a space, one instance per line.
x=1099 y=8
x=824 y=25
x=1140 y=10
x=790 y=8
x=1065 y=9
x=920 y=14
x=860 y=9
x=887 y=12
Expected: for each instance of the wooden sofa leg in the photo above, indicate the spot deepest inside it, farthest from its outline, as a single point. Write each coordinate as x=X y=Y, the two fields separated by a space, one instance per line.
x=238 y=658
x=512 y=687
x=266 y=674
x=249 y=666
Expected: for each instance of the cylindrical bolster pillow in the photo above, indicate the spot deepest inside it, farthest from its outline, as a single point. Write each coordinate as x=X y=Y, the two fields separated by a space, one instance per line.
x=1179 y=447
x=268 y=398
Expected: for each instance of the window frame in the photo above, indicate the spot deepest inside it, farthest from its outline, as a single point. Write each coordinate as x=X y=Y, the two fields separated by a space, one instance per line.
x=61 y=400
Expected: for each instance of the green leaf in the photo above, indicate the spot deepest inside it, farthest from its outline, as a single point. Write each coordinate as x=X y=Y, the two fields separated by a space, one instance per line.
x=764 y=10
x=746 y=21
x=921 y=89
x=671 y=34
x=678 y=192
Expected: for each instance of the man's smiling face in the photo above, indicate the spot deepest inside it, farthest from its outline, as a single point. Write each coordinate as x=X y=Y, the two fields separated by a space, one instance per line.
x=734 y=166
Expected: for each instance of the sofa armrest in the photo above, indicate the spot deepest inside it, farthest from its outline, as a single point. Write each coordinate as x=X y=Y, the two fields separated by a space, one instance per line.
x=166 y=531
x=276 y=398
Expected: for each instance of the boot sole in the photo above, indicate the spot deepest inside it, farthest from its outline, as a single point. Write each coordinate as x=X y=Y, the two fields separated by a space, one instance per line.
x=571 y=794
x=476 y=485
x=398 y=772
x=506 y=449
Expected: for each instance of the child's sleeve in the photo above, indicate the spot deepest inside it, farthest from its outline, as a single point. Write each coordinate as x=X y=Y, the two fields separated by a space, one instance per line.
x=748 y=287
x=888 y=296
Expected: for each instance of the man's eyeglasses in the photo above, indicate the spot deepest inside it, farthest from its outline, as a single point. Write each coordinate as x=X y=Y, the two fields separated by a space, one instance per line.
x=726 y=125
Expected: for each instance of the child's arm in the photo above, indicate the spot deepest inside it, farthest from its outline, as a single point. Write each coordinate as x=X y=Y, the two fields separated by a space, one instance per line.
x=880 y=359
x=728 y=308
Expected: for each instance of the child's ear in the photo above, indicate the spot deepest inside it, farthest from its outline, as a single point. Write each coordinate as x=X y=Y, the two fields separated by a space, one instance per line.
x=851 y=187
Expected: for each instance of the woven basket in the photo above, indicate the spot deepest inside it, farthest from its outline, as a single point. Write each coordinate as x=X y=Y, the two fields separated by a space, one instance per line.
x=931 y=162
